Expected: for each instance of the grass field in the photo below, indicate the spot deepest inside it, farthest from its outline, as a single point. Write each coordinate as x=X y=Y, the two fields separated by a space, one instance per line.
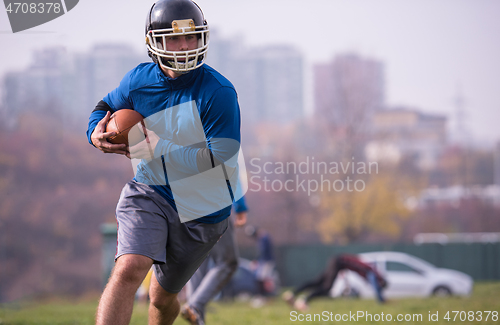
x=486 y=297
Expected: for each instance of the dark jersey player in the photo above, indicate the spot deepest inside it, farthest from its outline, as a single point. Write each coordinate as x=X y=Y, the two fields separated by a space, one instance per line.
x=176 y=207
x=322 y=285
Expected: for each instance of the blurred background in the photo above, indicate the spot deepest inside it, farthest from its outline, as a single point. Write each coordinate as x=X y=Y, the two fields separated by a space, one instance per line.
x=396 y=102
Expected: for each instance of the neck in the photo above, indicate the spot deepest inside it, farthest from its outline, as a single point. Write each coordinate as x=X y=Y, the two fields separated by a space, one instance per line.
x=170 y=73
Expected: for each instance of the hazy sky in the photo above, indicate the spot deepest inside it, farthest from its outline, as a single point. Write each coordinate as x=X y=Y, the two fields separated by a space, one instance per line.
x=430 y=48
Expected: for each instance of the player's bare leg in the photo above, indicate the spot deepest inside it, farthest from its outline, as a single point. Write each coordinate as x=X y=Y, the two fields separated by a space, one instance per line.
x=164 y=306
x=117 y=300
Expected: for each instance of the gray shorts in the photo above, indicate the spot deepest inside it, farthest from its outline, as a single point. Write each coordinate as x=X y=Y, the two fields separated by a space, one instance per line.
x=149 y=226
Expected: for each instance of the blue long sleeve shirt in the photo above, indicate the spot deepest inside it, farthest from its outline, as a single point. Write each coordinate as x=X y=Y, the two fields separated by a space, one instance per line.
x=194 y=111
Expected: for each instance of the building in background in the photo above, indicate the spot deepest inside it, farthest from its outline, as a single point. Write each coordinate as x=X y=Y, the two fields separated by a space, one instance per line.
x=270 y=86
x=104 y=67
x=66 y=84
x=47 y=83
x=403 y=132
x=277 y=84
x=269 y=80
x=347 y=91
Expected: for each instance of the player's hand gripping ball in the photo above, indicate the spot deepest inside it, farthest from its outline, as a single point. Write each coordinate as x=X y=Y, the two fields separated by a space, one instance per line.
x=128 y=126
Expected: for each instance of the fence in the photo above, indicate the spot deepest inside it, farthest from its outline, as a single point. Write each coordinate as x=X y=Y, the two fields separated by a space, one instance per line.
x=298 y=263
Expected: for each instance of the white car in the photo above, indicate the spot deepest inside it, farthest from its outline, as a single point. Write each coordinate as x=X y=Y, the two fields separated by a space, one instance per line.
x=406 y=275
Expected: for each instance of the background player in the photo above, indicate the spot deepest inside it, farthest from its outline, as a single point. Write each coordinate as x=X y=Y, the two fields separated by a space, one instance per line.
x=321 y=286
x=207 y=282
x=265 y=264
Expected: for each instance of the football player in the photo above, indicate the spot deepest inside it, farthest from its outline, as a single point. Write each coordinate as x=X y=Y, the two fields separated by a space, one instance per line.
x=176 y=208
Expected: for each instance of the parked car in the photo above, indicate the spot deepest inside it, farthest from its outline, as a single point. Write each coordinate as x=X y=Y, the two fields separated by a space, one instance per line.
x=406 y=275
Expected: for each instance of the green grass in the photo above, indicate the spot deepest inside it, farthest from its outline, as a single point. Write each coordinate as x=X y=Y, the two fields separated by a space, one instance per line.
x=486 y=296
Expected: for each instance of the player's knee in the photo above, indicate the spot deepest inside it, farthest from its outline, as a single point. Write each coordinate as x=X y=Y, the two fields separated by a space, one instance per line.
x=158 y=303
x=131 y=269
x=164 y=301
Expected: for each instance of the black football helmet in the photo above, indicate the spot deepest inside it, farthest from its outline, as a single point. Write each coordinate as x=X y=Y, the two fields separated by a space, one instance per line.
x=176 y=17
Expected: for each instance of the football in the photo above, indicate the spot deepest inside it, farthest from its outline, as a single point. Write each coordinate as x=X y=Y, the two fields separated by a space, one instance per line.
x=128 y=125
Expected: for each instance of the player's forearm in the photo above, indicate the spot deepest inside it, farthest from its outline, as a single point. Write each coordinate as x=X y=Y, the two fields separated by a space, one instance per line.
x=97 y=114
x=94 y=118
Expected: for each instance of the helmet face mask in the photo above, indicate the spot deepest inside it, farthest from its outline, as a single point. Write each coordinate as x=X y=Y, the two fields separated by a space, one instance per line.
x=176 y=18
